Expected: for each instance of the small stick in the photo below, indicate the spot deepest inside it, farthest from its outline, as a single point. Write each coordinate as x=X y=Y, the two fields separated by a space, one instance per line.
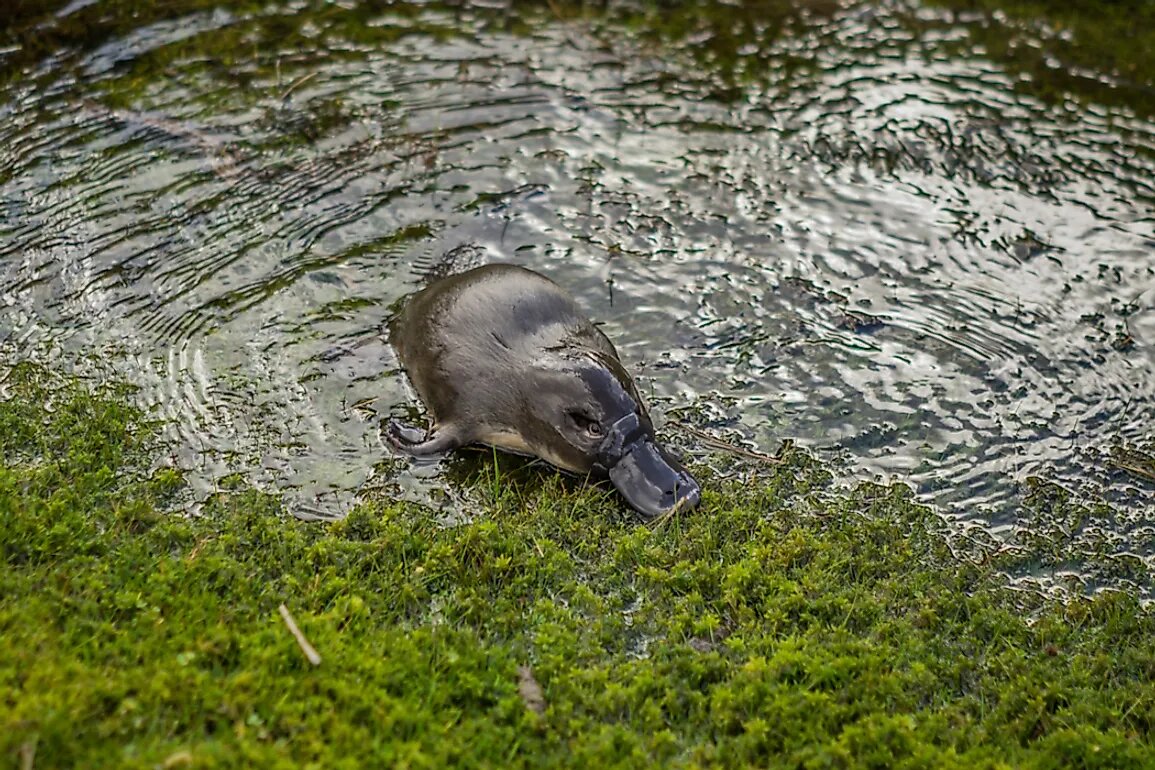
x=306 y=648
x=297 y=84
x=28 y=753
x=669 y=513
x=1134 y=468
x=724 y=445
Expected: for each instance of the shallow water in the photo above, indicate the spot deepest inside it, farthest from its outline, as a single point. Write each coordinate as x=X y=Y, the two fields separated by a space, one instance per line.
x=851 y=227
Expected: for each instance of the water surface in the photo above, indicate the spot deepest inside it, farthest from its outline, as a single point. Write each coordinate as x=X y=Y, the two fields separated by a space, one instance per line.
x=844 y=224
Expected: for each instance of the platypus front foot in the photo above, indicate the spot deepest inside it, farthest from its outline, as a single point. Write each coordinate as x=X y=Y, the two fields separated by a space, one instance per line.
x=414 y=441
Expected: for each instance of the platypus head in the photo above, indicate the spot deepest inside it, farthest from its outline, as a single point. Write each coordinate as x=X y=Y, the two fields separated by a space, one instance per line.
x=600 y=425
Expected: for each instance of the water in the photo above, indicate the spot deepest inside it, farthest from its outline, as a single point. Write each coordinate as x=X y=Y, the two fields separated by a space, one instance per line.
x=838 y=223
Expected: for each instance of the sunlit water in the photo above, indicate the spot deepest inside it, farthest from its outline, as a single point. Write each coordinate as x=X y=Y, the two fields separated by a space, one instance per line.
x=874 y=243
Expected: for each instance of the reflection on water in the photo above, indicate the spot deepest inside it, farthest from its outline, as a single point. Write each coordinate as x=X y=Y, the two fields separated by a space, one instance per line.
x=852 y=229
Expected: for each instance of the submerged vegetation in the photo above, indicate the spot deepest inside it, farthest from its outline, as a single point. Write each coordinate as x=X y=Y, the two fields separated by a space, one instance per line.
x=1101 y=51
x=790 y=622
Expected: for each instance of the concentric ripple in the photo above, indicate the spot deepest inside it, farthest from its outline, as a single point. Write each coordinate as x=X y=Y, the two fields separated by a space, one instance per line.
x=854 y=230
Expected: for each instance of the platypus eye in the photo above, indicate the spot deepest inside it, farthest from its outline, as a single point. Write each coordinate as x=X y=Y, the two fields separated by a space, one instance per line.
x=586 y=423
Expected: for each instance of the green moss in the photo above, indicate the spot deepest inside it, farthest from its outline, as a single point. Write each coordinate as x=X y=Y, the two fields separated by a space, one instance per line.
x=786 y=623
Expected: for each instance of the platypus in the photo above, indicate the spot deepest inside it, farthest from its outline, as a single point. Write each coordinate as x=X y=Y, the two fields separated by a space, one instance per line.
x=503 y=356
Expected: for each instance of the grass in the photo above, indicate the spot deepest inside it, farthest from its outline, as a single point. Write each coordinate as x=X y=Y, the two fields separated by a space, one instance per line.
x=787 y=623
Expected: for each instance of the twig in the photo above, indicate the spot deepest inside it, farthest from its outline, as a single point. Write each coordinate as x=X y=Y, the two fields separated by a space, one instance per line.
x=306 y=648
x=670 y=513
x=28 y=753
x=724 y=445
x=179 y=759
x=1137 y=470
x=297 y=84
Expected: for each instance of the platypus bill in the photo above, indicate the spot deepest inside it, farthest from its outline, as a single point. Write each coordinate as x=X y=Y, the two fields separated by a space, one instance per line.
x=503 y=356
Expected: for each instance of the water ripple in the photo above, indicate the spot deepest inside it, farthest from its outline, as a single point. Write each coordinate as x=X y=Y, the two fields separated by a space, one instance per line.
x=858 y=231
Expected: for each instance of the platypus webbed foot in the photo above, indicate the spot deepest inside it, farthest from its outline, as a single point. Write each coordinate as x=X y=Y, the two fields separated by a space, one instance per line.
x=414 y=441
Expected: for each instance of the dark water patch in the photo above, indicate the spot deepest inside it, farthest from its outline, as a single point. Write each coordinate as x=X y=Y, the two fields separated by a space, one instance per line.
x=1098 y=52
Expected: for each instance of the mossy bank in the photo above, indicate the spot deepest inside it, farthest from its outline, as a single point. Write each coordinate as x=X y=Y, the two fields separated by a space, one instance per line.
x=786 y=624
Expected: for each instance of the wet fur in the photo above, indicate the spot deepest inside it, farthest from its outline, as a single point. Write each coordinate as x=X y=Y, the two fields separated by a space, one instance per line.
x=480 y=348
